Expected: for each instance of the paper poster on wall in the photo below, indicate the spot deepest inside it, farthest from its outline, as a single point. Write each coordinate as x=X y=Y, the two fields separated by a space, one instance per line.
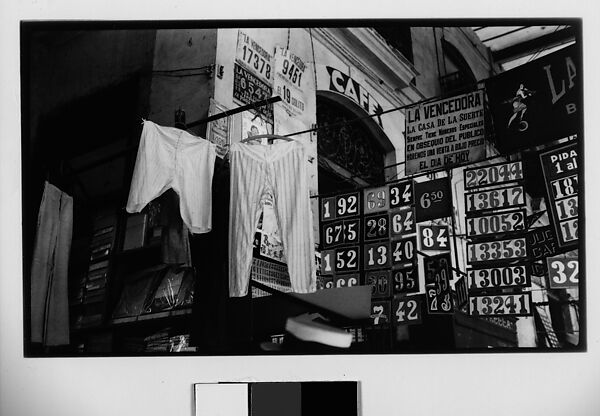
x=254 y=57
x=291 y=82
x=252 y=74
x=271 y=244
x=218 y=131
x=445 y=133
x=253 y=125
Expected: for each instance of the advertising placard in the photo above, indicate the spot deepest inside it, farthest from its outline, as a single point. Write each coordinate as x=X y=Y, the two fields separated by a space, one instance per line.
x=498 y=198
x=406 y=310
x=541 y=242
x=563 y=272
x=255 y=58
x=248 y=88
x=518 y=304
x=437 y=284
x=561 y=173
x=434 y=237
x=290 y=82
x=500 y=277
x=445 y=132
x=433 y=199
x=511 y=249
x=218 y=131
x=493 y=174
x=537 y=102
x=498 y=223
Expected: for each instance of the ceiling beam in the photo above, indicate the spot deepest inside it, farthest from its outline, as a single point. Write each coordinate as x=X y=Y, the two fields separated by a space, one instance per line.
x=505 y=33
x=524 y=48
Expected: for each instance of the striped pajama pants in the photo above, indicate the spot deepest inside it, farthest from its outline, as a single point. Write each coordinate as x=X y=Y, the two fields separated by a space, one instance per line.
x=280 y=169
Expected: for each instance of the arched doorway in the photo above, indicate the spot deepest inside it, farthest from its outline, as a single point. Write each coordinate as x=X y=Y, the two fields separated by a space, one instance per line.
x=351 y=153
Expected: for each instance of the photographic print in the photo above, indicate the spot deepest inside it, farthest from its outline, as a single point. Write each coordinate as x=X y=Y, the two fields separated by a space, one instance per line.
x=302 y=187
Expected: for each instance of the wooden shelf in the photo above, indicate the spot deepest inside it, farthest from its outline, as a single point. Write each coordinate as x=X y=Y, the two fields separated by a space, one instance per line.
x=139 y=250
x=152 y=316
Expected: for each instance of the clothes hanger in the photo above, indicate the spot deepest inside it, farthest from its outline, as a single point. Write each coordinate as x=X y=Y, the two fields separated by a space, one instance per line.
x=267 y=136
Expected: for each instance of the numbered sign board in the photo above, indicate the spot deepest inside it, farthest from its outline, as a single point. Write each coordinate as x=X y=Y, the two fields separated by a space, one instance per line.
x=560 y=168
x=501 y=305
x=493 y=174
x=493 y=224
x=433 y=199
x=377 y=255
x=406 y=310
x=511 y=249
x=340 y=260
x=500 y=198
x=402 y=222
x=346 y=280
x=401 y=194
x=541 y=243
x=434 y=237
x=461 y=293
x=380 y=312
x=376 y=227
x=491 y=278
x=376 y=199
x=405 y=280
x=380 y=283
x=340 y=206
x=324 y=282
x=248 y=88
x=437 y=284
x=404 y=251
x=340 y=232
x=563 y=272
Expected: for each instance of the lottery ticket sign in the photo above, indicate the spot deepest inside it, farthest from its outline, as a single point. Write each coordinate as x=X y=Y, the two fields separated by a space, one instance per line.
x=340 y=206
x=492 y=199
x=405 y=280
x=437 y=284
x=401 y=194
x=500 y=250
x=380 y=283
x=433 y=199
x=407 y=310
x=496 y=174
x=248 y=88
x=402 y=222
x=254 y=57
x=380 y=312
x=497 y=223
x=461 y=293
x=501 y=277
x=376 y=199
x=289 y=81
x=340 y=232
x=561 y=173
x=518 y=304
x=445 y=132
x=434 y=237
x=563 y=272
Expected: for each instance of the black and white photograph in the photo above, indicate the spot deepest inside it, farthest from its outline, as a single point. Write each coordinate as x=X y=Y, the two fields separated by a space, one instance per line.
x=402 y=186
x=300 y=215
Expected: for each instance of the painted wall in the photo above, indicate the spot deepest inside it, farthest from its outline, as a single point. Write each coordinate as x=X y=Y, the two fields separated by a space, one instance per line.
x=62 y=63
x=189 y=90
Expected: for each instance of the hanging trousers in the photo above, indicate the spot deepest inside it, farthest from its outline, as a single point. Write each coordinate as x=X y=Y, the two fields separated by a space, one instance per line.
x=50 y=269
x=279 y=168
x=171 y=158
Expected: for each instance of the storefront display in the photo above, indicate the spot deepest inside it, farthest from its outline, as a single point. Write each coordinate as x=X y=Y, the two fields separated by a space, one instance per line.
x=417 y=197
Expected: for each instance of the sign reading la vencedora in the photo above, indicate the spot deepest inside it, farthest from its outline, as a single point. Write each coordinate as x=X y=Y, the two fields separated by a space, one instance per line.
x=445 y=132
